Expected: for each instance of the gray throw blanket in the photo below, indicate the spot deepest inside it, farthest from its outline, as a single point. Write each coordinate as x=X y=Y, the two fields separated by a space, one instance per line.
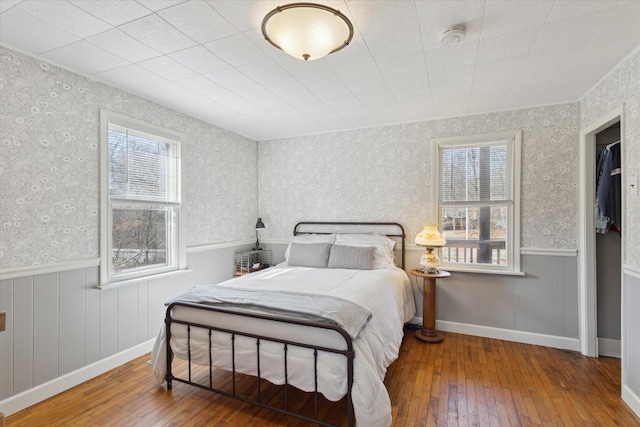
x=346 y=314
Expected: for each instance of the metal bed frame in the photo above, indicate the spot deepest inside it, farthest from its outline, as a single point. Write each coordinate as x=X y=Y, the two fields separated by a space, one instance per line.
x=348 y=352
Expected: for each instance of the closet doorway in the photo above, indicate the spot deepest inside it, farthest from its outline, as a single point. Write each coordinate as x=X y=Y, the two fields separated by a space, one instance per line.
x=608 y=255
x=600 y=254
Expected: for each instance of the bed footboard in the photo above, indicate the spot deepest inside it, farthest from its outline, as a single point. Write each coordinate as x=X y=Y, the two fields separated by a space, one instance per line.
x=259 y=338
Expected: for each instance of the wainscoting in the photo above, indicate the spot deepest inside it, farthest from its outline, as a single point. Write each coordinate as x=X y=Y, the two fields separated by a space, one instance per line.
x=59 y=322
x=631 y=338
x=540 y=307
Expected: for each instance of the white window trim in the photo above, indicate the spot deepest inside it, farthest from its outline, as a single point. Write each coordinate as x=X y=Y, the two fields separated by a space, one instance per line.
x=513 y=250
x=180 y=246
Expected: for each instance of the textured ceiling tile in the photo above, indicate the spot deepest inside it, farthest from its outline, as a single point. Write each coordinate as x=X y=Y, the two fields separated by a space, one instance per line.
x=8 y=4
x=114 y=12
x=561 y=52
x=624 y=20
x=533 y=96
x=507 y=45
x=236 y=50
x=84 y=58
x=327 y=86
x=130 y=77
x=362 y=79
x=164 y=93
x=609 y=49
x=166 y=67
x=157 y=34
x=576 y=30
x=503 y=70
x=452 y=56
x=200 y=60
x=416 y=85
x=566 y=9
x=230 y=78
x=497 y=66
x=213 y=91
x=403 y=66
x=487 y=101
x=244 y=14
x=21 y=31
x=123 y=45
x=273 y=104
x=376 y=16
x=157 y=5
x=248 y=108
x=268 y=73
x=511 y=16
x=395 y=42
x=240 y=84
x=459 y=93
x=356 y=53
x=198 y=21
x=451 y=76
x=65 y=16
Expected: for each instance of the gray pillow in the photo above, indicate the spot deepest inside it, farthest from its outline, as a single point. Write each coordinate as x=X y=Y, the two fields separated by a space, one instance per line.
x=314 y=255
x=353 y=257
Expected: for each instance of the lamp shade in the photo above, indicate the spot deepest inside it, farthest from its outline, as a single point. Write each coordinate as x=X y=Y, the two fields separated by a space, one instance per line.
x=430 y=237
x=307 y=31
x=260 y=224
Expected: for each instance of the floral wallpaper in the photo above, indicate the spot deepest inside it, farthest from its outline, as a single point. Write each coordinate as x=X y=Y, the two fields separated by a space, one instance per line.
x=49 y=165
x=621 y=87
x=384 y=174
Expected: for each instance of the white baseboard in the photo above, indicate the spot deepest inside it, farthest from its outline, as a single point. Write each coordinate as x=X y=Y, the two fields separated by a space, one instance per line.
x=631 y=399
x=564 y=343
x=44 y=391
x=609 y=347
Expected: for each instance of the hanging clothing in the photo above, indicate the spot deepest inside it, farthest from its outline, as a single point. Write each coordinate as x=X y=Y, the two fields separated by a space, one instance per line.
x=609 y=190
x=614 y=208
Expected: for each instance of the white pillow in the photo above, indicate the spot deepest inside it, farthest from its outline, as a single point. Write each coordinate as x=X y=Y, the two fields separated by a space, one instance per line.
x=383 y=256
x=309 y=238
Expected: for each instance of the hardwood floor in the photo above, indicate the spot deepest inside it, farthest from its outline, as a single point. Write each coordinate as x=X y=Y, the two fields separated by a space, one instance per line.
x=463 y=381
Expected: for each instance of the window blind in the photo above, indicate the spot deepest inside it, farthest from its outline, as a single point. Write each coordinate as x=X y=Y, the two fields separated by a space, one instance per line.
x=143 y=166
x=475 y=173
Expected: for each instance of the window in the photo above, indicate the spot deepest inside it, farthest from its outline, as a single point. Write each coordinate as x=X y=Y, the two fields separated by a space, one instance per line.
x=140 y=199
x=477 y=186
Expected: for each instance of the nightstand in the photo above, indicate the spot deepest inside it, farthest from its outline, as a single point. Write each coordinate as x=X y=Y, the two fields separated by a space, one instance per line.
x=428 y=333
x=252 y=260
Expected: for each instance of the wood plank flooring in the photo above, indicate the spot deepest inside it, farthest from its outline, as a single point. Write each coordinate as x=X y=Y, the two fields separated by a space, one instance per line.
x=463 y=381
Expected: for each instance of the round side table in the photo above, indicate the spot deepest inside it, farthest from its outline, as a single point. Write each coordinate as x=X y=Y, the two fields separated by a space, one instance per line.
x=428 y=333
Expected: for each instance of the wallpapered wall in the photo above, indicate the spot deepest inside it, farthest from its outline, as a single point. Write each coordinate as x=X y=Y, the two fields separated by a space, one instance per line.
x=49 y=165
x=384 y=174
x=622 y=88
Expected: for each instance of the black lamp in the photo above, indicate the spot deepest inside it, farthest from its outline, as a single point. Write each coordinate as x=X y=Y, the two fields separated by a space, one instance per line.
x=259 y=225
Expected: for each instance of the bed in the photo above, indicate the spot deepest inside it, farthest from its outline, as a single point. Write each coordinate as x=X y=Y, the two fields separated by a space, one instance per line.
x=329 y=321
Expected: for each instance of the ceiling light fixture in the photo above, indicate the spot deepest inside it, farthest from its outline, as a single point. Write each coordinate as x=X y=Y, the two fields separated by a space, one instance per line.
x=307 y=31
x=452 y=35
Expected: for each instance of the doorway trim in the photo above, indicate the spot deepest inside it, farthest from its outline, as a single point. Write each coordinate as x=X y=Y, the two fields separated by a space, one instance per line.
x=586 y=238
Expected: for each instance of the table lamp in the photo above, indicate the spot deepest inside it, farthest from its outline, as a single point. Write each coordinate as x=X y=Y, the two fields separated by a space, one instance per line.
x=431 y=239
x=259 y=226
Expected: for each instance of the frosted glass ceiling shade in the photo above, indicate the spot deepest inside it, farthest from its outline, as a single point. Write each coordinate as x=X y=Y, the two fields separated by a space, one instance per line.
x=307 y=31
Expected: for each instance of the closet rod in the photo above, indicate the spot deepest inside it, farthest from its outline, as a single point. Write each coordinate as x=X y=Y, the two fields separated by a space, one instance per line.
x=612 y=144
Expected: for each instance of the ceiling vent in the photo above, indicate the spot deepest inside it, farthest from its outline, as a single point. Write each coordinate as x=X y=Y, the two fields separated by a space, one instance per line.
x=452 y=35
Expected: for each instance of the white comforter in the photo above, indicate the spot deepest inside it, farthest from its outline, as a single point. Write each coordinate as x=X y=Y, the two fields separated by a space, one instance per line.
x=386 y=293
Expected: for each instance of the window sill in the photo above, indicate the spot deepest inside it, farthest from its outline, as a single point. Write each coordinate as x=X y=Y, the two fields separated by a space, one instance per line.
x=468 y=270
x=126 y=282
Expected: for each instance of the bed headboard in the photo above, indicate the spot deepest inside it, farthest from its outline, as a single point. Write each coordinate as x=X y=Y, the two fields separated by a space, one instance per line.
x=391 y=229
